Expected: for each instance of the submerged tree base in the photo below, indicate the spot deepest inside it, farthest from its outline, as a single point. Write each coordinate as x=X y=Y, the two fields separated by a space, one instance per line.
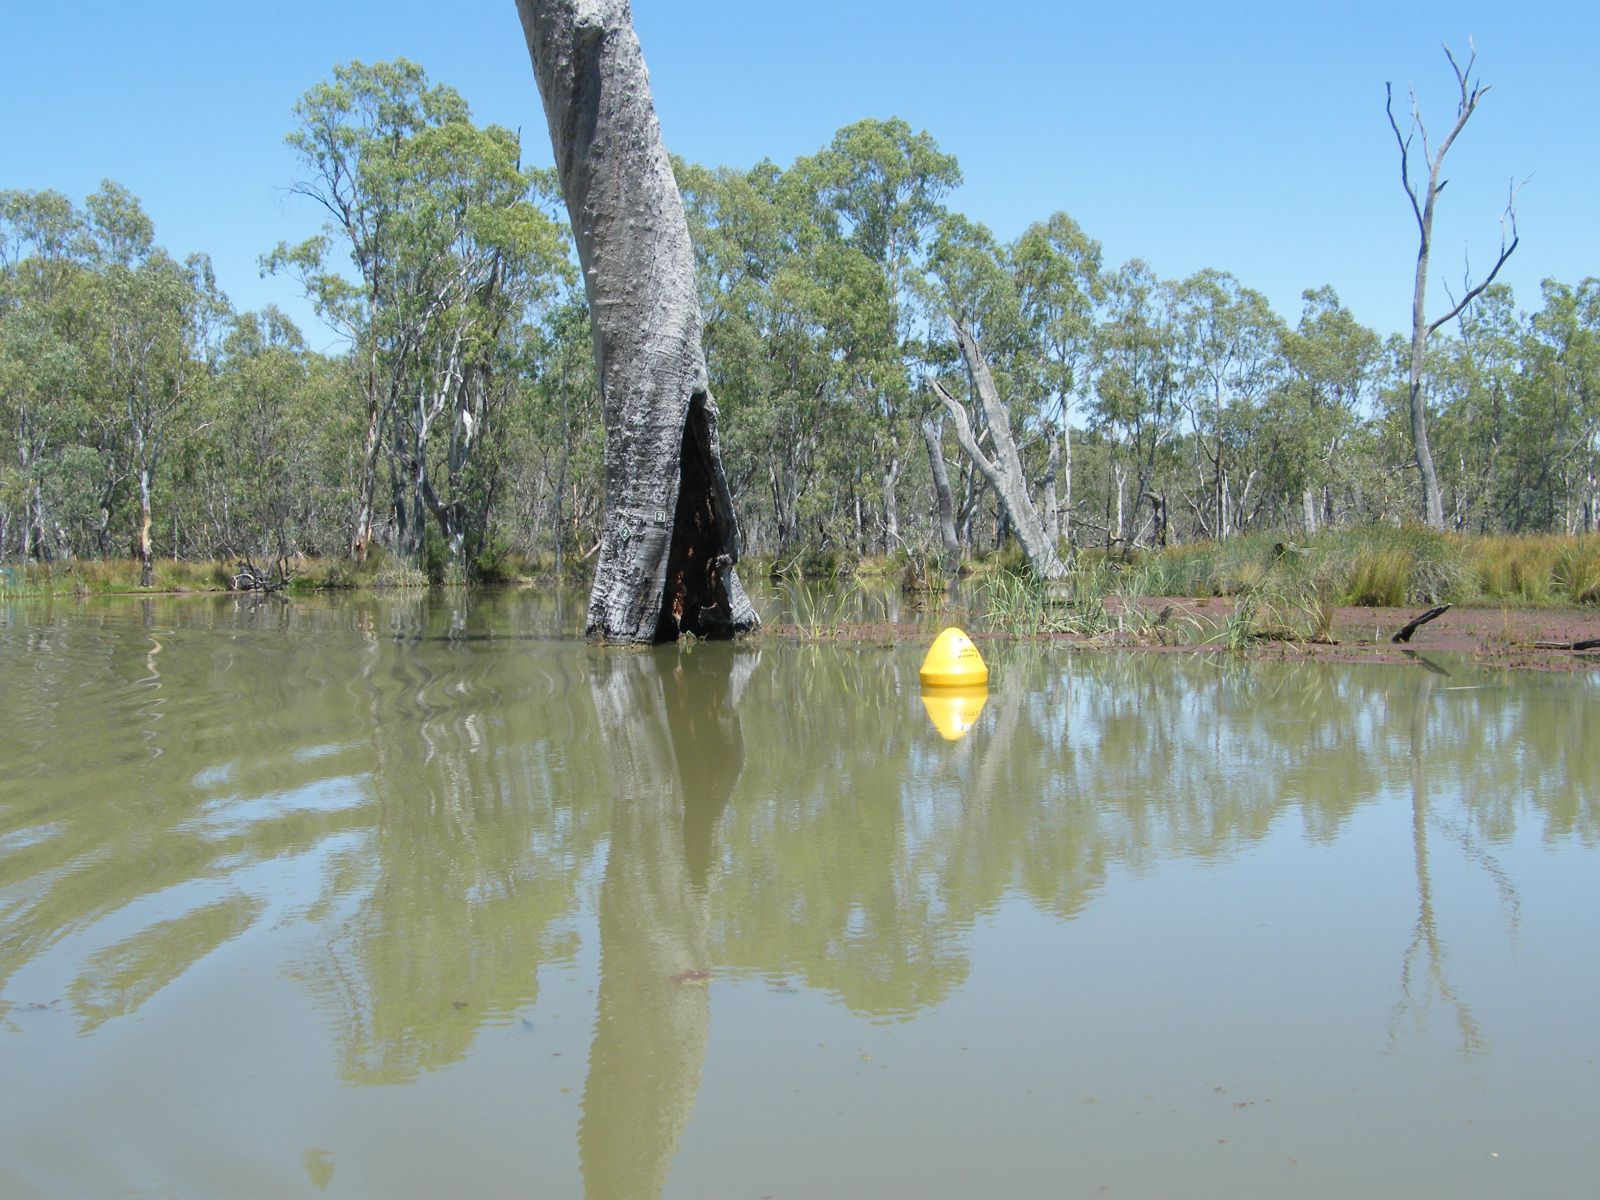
x=670 y=540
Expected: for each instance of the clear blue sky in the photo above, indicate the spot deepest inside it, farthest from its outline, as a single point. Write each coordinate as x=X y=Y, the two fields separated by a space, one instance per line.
x=1247 y=137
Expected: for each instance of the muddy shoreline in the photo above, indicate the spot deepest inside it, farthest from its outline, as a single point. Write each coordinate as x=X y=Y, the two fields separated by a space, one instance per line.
x=1502 y=637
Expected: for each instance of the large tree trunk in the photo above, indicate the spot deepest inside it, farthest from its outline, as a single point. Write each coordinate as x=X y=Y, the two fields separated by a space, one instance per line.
x=669 y=540
x=1004 y=469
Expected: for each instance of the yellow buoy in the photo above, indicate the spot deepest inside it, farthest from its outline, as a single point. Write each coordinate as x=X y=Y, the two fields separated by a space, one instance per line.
x=953 y=661
x=954 y=710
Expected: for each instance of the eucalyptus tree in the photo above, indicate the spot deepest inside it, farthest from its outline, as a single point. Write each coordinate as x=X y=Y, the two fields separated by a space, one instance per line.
x=968 y=281
x=1475 y=381
x=39 y=378
x=781 y=302
x=1057 y=271
x=1330 y=367
x=1556 y=425
x=977 y=293
x=1136 y=397
x=880 y=187
x=1228 y=336
x=107 y=342
x=62 y=475
x=1424 y=194
x=41 y=367
x=554 y=470
x=266 y=479
x=349 y=133
x=156 y=324
x=671 y=540
x=449 y=246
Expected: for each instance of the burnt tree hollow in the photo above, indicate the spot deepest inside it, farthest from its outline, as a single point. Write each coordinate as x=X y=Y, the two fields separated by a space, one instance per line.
x=695 y=598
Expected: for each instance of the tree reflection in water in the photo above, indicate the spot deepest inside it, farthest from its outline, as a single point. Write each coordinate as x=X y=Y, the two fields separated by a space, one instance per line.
x=675 y=751
x=1426 y=954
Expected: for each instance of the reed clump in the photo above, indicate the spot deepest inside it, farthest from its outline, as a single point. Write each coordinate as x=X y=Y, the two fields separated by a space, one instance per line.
x=1388 y=567
x=1577 y=569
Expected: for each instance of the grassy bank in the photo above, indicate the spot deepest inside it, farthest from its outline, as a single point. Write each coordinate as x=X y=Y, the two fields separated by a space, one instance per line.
x=110 y=577
x=1284 y=591
x=1380 y=566
x=1374 y=566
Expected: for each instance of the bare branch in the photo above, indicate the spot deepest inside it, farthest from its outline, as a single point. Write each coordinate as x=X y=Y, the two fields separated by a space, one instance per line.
x=1508 y=228
x=1404 y=142
x=963 y=427
x=1470 y=95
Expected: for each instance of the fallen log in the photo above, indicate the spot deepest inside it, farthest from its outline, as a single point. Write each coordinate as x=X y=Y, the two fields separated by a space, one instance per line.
x=1407 y=630
x=1586 y=644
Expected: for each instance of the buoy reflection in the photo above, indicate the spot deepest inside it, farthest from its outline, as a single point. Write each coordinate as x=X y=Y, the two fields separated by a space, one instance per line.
x=954 y=710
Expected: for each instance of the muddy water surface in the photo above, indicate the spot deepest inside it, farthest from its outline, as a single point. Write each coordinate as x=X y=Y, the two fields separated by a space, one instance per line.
x=426 y=897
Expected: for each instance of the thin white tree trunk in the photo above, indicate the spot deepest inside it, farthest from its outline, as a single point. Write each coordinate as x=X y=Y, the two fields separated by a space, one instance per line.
x=1066 y=464
x=943 y=495
x=1052 y=502
x=1121 y=477
x=891 y=503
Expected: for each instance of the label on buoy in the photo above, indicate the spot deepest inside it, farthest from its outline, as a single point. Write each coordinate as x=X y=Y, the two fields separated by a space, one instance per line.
x=953 y=661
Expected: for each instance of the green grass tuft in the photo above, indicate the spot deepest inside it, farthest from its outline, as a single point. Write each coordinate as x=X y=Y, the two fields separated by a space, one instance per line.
x=1577 y=569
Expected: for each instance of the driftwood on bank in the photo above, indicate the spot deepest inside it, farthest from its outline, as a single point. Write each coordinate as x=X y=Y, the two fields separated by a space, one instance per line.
x=1586 y=644
x=251 y=578
x=1411 y=627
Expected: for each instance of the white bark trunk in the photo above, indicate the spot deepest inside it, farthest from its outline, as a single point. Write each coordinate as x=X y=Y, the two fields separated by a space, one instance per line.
x=1066 y=498
x=943 y=495
x=669 y=539
x=1052 y=502
x=1004 y=470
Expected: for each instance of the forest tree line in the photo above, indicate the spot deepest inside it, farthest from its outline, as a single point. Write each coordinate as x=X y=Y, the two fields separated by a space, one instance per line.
x=141 y=414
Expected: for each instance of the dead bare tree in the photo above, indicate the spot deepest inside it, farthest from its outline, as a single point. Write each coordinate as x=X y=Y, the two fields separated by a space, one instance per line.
x=669 y=540
x=1422 y=206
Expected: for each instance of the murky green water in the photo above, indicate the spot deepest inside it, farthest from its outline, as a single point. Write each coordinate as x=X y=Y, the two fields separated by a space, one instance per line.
x=419 y=898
